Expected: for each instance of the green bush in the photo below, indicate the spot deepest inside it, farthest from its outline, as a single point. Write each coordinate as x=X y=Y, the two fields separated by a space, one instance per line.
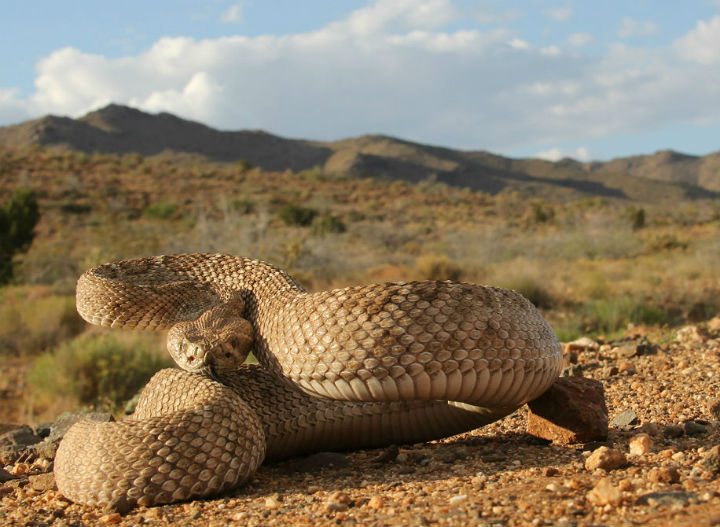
x=611 y=315
x=297 y=215
x=29 y=325
x=161 y=210
x=18 y=218
x=94 y=370
x=326 y=224
x=532 y=290
x=434 y=267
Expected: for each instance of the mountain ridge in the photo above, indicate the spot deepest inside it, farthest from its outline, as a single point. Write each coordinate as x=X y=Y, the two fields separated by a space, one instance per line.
x=117 y=129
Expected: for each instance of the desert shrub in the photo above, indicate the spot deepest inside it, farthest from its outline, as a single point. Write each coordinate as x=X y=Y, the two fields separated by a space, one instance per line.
x=610 y=315
x=636 y=217
x=162 y=210
x=95 y=370
x=326 y=224
x=531 y=289
x=18 y=218
x=435 y=267
x=665 y=242
x=297 y=215
x=30 y=325
x=243 y=165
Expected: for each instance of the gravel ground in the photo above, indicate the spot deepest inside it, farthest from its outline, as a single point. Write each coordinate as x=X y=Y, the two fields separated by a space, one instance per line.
x=663 y=395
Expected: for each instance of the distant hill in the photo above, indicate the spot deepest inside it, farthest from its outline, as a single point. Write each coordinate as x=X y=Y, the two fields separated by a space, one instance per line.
x=664 y=176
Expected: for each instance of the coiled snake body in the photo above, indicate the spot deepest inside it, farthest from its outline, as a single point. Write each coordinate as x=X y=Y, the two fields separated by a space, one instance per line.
x=360 y=366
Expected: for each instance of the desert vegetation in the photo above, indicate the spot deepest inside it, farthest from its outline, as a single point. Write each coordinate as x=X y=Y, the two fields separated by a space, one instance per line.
x=592 y=266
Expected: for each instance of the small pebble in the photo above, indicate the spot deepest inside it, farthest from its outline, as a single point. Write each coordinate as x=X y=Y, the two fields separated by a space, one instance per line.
x=664 y=475
x=111 y=519
x=458 y=499
x=272 y=502
x=604 y=493
x=640 y=444
x=606 y=459
x=375 y=502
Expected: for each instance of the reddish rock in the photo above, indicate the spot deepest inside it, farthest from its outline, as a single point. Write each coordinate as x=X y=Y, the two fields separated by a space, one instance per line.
x=573 y=410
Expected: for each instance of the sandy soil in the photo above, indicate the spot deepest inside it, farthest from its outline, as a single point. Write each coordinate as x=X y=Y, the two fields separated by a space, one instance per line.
x=498 y=475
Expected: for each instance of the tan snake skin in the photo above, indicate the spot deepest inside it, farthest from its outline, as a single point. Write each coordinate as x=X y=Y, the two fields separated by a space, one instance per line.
x=332 y=363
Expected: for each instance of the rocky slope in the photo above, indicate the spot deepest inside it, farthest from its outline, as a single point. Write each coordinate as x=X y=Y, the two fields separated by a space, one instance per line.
x=664 y=176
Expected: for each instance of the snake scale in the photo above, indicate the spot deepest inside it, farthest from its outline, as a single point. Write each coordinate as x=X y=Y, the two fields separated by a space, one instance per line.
x=355 y=367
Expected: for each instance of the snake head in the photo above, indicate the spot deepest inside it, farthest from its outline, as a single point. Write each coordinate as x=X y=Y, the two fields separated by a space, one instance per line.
x=212 y=346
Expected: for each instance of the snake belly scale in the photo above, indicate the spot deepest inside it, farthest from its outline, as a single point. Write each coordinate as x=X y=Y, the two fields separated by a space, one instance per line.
x=346 y=368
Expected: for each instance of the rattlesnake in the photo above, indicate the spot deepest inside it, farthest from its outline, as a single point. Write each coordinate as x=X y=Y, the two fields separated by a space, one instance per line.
x=360 y=366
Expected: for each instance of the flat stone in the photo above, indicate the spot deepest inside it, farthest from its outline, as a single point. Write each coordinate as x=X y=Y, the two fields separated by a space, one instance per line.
x=387 y=455
x=319 y=461
x=5 y=475
x=604 y=493
x=693 y=429
x=573 y=410
x=711 y=460
x=582 y=344
x=675 y=499
x=606 y=459
x=66 y=420
x=42 y=482
x=625 y=418
x=23 y=436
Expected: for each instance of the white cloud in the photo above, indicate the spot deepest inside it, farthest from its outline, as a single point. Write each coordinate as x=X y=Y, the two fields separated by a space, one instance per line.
x=559 y=13
x=234 y=13
x=556 y=154
x=389 y=67
x=491 y=16
x=12 y=108
x=580 y=39
x=702 y=44
x=390 y=14
x=630 y=27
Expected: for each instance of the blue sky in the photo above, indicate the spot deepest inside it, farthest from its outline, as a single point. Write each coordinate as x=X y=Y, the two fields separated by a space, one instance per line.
x=590 y=80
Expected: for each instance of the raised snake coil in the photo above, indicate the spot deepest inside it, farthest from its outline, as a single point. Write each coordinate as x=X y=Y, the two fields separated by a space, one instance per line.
x=352 y=367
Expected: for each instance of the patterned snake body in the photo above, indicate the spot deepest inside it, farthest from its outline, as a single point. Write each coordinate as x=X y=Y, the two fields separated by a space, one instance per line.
x=332 y=362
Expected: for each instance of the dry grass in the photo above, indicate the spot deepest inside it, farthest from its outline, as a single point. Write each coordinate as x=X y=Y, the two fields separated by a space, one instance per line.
x=591 y=266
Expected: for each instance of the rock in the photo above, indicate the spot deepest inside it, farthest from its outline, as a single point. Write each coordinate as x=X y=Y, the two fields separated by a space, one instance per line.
x=5 y=475
x=674 y=499
x=23 y=436
x=606 y=459
x=664 y=475
x=42 y=482
x=66 y=420
x=387 y=455
x=690 y=335
x=43 y=429
x=573 y=410
x=582 y=344
x=456 y=500
x=8 y=427
x=575 y=370
x=604 y=493
x=714 y=408
x=111 y=519
x=711 y=460
x=713 y=325
x=338 y=501
x=640 y=444
x=693 y=428
x=272 y=502
x=673 y=430
x=319 y=461
x=375 y=502
x=625 y=418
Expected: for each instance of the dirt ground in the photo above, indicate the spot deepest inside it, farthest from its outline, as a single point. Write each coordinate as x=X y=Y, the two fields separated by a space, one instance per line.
x=668 y=471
